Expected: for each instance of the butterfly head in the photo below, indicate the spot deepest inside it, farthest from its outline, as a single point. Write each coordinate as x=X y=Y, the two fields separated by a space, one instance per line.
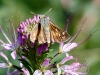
x=43 y=20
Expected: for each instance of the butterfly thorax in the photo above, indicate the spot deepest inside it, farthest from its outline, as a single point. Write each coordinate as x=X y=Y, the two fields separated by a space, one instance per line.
x=44 y=21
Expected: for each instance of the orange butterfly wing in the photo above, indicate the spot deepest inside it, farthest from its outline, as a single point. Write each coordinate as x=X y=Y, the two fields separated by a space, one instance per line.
x=57 y=34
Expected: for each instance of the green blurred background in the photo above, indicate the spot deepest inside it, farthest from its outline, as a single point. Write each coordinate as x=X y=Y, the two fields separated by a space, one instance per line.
x=19 y=10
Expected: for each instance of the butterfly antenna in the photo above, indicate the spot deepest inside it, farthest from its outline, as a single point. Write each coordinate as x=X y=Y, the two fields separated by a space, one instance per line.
x=48 y=11
x=68 y=20
x=32 y=12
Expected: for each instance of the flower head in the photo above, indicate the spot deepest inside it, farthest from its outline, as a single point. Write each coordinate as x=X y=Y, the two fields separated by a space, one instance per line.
x=43 y=71
x=72 y=69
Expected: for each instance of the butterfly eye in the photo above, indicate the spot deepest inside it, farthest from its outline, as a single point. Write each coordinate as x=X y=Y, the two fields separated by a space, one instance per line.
x=39 y=17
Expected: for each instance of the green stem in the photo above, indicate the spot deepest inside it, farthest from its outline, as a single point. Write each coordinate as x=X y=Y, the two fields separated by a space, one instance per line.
x=54 y=56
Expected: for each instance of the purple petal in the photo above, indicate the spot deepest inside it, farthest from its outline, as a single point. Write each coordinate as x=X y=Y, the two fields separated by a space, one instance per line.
x=66 y=45
x=14 y=55
x=32 y=44
x=69 y=46
x=66 y=59
x=46 y=62
x=72 y=69
x=34 y=18
x=37 y=72
x=40 y=48
x=3 y=65
x=65 y=67
x=68 y=69
x=21 y=25
x=48 y=72
x=27 y=21
x=30 y=20
x=4 y=56
x=7 y=46
x=75 y=66
x=18 y=42
x=18 y=30
x=45 y=46
x=24 y=28
x=8 y=71
x=23 y=57
x=23 y=40
x=1 y=41
x=5 y=35
x=13 y=73
x=61 y=44
x=25 y=71
x=59 y=71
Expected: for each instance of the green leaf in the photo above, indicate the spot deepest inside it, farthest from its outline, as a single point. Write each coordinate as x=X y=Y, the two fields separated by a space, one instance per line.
x=18 y=68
